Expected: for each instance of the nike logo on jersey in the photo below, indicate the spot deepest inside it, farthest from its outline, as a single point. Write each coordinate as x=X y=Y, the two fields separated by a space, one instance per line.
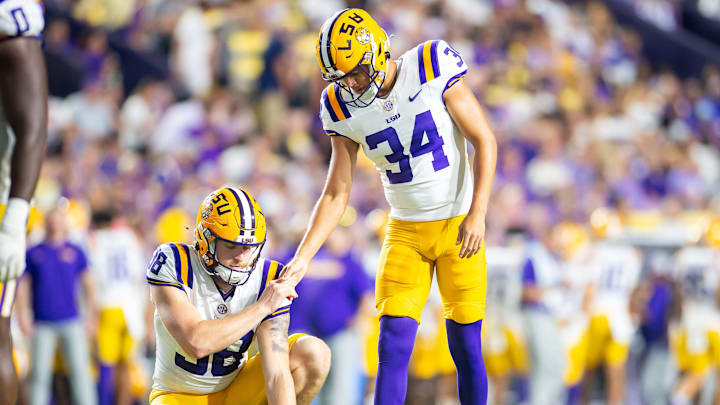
x=412 y=98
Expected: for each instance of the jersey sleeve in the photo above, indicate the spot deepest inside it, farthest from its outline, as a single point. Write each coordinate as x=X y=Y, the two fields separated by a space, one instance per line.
x=333 y=112
x=165 y=268
x=440 y=63
x=271 y=271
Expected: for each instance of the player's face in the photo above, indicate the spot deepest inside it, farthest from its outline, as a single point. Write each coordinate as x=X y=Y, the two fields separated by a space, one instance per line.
x=233 y=255
x=358 y=80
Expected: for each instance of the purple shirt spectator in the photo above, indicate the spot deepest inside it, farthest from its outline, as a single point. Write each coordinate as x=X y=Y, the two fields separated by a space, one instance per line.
x=328 y=304
x=55 y=272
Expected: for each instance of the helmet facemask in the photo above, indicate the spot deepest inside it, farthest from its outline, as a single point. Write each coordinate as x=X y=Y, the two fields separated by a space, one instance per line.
x=231 y=275
x=369 y=94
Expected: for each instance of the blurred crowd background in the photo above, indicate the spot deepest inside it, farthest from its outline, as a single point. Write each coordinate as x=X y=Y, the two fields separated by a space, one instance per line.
x=156 y=103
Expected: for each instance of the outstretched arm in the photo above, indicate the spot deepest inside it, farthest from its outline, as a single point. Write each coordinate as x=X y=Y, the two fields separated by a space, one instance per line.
x=272 y=337
x=329 y=208
x=470 y=119
x=23 y=96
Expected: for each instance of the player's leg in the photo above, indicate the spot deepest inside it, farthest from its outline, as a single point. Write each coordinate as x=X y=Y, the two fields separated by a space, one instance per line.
x=462 y=285
x=309 y=365
x=8 y=378
x=108 y=346
x=615 y=359
x=23 y=94
x=401 y=290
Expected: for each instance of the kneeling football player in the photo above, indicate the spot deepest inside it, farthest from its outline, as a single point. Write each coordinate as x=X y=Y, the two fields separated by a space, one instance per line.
x=211 y=299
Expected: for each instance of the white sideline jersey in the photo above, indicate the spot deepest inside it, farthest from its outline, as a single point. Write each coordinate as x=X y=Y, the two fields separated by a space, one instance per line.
x=177 y=265
x=117 y=263
x=698 y=270
x=21 y=18
x=417 y=149
x=616 y=273
x=504 y=278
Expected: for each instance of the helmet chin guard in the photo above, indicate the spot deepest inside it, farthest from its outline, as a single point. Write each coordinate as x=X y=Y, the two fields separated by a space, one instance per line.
x=230 y=275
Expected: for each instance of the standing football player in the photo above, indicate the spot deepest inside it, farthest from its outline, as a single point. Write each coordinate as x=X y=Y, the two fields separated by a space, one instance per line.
x=211 y=299
x=23 y=103
x=412 y=117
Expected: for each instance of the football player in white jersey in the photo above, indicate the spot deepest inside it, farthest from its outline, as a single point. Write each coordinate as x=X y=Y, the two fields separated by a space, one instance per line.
x=211 y=299
x=616 y=272
x=412 y=117
x=504 y=345
x=696 y=340
x=23 y=105
x=116 y=257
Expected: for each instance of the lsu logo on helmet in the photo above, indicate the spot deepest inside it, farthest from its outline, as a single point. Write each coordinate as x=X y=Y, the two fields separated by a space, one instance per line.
x=232 y=215
x=350 y=40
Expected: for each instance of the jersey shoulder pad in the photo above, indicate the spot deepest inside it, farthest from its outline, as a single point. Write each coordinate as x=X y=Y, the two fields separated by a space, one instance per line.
x=171 y=265
x=438 y=61
x=271 y=270
x=333 y=111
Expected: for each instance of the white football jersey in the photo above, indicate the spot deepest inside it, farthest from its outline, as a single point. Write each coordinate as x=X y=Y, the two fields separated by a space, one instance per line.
x=21 y=18
x=117 y=262
x=698 y=270
x=504 y=278
x=417 y=149
x=616 y=272
x=177 y=265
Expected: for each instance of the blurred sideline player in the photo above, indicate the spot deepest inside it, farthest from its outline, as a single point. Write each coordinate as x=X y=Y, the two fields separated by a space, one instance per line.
x=23 y=103
x=573 y=246
x=211 y=299
x=616 y=272
x=116 y=257
x=504 y=346
x=412 y=117
x=696 y=340
x=541 y=300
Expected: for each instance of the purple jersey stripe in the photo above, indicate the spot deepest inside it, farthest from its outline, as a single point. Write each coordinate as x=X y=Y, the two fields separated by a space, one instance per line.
x=178 y=266
x=421 y=64
x=434 y=59
x=164 y=283
x=2 y=297
x=190 y=268
x=339 y=98
x=328 y=107
x=266 y=269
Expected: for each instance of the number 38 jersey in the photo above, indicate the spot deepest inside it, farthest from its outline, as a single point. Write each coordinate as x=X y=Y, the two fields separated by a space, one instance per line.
x=409 y=135
x=177 y=265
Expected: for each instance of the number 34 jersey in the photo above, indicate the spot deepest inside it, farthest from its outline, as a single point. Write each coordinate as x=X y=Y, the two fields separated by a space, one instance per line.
x=409 y=135
x=180 y=266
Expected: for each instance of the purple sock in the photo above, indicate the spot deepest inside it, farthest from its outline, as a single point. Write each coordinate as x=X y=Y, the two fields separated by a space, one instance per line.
x=397 y=336
x=466 y=351
x=573 y=394
x=522 y=389
x=106 y=384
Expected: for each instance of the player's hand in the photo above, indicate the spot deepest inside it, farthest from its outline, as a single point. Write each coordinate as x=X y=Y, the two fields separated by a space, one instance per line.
x=294 y=270
x=276 y=293
x=471 y=234
x=12 y=254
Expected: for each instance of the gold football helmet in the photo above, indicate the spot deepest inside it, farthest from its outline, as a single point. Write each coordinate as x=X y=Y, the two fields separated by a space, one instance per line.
x=350 y=40
x=232 y=215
